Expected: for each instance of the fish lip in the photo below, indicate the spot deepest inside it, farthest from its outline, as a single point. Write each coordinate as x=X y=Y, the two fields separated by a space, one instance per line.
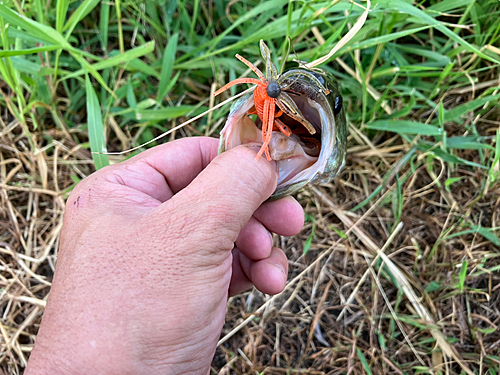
x=238 y=110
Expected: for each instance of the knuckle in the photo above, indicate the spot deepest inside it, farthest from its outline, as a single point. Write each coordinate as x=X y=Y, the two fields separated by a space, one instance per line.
x=89 y=193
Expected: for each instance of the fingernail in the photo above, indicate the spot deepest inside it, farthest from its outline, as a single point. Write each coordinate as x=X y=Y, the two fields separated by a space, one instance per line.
x=281 y=268
x=274 y=165
x=253 y=146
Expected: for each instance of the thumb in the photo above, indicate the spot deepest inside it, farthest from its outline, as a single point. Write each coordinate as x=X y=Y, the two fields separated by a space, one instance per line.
x=229 y=190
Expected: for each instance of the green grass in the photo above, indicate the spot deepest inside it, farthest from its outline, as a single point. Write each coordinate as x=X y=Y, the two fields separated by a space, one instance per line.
x=97 y=76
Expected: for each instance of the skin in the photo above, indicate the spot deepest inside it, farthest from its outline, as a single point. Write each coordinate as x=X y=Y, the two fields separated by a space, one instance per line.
x=150 y=250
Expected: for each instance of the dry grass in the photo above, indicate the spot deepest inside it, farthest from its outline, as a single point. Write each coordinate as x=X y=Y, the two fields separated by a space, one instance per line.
x=32 y=197
x=402 y=275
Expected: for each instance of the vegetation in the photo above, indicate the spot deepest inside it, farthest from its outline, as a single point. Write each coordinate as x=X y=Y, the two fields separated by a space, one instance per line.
x=397 y=270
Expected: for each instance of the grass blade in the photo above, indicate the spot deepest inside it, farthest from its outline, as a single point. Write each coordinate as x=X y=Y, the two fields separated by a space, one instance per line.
x=95 y=127
x=164 y=113
x=468 y=143
x=455 y=113
x=29 y=51
x=90 y=69
x=193 y=20
x=405 y=127
x=80 y=12
x=167 y=67
x=308 y=242
x=364 y=362
x=104 y=23
x=61 y=10
x=462 y=275
x=116 y=60
x=487 y=233
x=41 y=31
x=265 y=6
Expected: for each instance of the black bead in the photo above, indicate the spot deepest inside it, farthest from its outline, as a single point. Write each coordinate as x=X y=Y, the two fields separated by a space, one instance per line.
x=273 y=90
x=337 y=105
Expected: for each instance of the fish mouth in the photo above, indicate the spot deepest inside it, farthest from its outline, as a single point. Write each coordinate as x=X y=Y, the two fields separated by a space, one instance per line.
x=300 y=157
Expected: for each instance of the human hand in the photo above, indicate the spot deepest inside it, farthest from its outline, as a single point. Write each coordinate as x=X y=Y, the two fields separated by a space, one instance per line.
x=147 y=260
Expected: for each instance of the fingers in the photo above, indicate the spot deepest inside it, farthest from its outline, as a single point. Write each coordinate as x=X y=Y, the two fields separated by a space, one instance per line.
x=284 y=216
x=162 y=171
x=180 y=161
x=255 y=261
x=268 y=275
x=254 y=240
x=239 y=281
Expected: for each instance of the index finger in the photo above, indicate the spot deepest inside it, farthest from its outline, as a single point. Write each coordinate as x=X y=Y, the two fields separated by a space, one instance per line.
x=180 y=161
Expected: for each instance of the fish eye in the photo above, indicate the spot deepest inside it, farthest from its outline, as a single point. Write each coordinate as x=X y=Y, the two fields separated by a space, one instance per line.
x=337 y=107
x=319 y=77
x=273 y=90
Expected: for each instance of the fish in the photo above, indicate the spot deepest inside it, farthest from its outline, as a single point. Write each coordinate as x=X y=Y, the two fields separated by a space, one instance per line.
x=309 y=146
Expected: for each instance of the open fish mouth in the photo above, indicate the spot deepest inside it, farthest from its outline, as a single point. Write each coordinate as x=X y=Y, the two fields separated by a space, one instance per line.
x=302 y=157
x=298 y=120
